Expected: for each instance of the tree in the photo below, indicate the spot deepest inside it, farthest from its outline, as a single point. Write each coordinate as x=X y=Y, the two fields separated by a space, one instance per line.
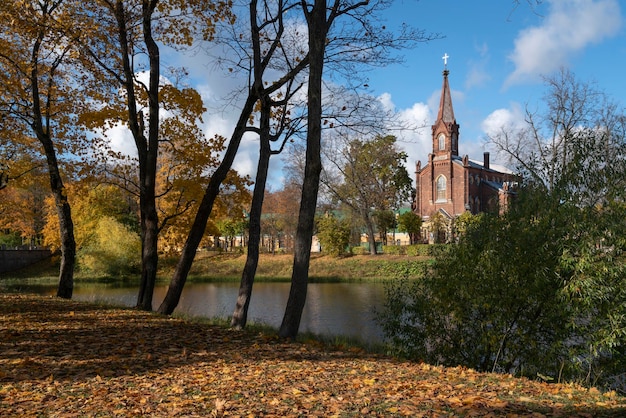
x=106 y=229
x=39 y=95
x=411 y=223
x=22 y=209
x=124 y=40
x=369 y=177
x=320 y=20
x=384 y=221
x=262 y=60
x=333 y=234
x=466 y=221
x=438 y=227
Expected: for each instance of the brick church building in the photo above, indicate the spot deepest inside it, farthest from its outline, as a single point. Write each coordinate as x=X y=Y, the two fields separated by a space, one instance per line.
x=450 y=184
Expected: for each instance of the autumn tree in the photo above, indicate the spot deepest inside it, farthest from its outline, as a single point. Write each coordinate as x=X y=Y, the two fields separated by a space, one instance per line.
x=22 y=207
x=369 y=177
x=121 y=52
x=39 y=94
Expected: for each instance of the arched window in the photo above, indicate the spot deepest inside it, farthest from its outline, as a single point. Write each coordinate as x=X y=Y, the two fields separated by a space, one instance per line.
x=442 y=142
x=441 y=189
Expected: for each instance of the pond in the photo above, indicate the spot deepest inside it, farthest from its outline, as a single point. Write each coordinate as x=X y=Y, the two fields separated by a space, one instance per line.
x=332 y=309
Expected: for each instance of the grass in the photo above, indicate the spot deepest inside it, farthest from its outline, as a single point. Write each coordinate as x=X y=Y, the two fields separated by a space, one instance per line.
x=228 y=266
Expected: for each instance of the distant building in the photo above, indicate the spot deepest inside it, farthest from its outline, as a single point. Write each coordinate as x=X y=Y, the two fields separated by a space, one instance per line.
x=450 y=184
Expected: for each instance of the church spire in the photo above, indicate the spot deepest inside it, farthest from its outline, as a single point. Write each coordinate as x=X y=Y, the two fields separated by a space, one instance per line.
x=445 y=129
x=446 y=112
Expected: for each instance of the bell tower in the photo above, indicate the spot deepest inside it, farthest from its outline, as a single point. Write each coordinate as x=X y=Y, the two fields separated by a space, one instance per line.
x=445 y=130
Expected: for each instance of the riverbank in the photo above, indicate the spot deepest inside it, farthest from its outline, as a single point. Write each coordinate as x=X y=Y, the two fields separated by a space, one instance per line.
x=216 y=266
x=228 y=266
x=64 y=358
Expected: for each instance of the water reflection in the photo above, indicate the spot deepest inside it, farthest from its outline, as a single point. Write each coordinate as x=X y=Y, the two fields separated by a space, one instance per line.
x=331 y=308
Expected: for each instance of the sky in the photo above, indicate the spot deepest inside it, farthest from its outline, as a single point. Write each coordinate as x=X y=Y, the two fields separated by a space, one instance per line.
x=498 y=53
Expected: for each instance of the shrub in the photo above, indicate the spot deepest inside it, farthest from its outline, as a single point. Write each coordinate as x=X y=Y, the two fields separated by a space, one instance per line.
x=112 y=250
x=394 y=249
x=359 y=250
x=536 y=290
x=333 y=234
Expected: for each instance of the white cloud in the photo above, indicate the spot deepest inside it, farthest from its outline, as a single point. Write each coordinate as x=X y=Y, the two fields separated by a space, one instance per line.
x=507 y=119
x=385 y=100
x=570 y=27
x=416 y=142
x=121 y=140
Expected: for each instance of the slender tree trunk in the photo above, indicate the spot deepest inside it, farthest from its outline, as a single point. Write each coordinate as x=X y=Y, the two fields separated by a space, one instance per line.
x=68 y=246
x=317 y=25
x=42 y=131
x=66 y=225
x=206 y=205
x=371 y=238
x=196 y=233
x=240 y=315
x=148 y=156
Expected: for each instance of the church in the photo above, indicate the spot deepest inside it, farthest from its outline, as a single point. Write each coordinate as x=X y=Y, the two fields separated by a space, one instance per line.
x=450 y=184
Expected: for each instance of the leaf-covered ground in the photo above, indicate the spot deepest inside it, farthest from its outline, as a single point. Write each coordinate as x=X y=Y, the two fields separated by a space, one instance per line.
x=64 y=359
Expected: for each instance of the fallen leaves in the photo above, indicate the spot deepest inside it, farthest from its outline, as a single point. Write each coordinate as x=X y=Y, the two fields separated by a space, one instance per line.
x=62 y=358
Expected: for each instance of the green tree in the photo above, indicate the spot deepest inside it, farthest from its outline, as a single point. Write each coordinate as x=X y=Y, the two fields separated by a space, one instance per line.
x=411 y=223
x=384 y=221
x=465 y=222
x=369 y=177
x=333 y=234
x=438 y=227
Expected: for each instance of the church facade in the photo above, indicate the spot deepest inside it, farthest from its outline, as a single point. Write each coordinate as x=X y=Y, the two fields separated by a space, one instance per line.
x=450 y=184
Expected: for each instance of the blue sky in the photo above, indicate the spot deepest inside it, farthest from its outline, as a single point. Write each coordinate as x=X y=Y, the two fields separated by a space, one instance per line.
x=498 y=55
x=498 y=52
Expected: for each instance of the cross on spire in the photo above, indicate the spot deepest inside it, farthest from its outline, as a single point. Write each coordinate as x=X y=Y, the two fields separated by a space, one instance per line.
x=445 y=60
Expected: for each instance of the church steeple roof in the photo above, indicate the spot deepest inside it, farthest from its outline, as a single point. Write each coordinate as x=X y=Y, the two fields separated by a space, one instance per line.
x=445 y=129
x=446 y=112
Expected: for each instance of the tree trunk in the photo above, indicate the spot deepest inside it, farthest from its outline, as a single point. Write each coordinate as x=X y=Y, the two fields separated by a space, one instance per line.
x=371 y=238
x=318 y=28
x=68 y=248
x=240 y=315
x=66 y=225
x=148 y=156
x=196 y=233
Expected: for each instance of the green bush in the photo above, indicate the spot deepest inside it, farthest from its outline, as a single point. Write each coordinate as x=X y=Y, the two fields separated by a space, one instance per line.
x=435 y=250
x=529 y=292
x=12 y=239
x=333 y=234
x=408 y=269
x=413 y=250
x=394 y=249
x=359 y=250
x=482 y=306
